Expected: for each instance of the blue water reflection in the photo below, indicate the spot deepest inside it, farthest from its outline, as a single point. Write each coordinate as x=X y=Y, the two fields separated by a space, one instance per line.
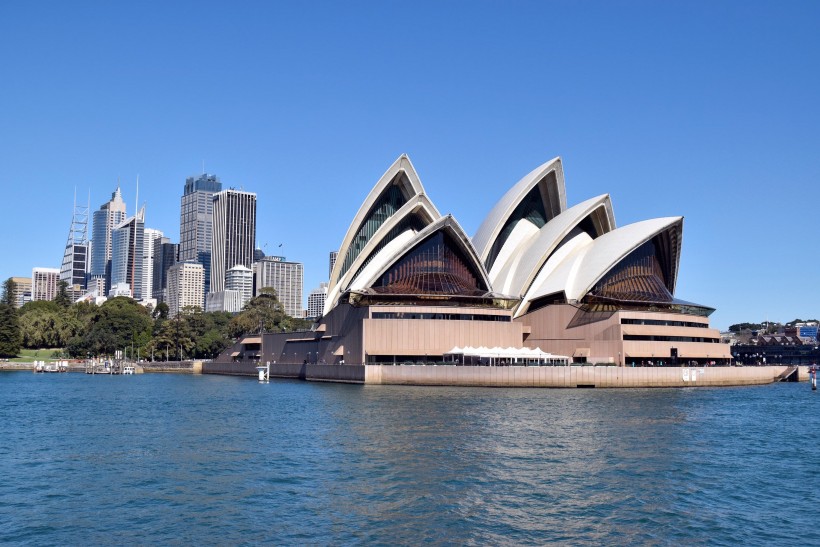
x=216 y=460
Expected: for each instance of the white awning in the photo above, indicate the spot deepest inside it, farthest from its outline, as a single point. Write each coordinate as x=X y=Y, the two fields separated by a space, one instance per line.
x=506 y=353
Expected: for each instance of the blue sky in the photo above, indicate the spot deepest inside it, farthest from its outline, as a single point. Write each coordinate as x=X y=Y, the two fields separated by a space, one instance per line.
x=709 y=110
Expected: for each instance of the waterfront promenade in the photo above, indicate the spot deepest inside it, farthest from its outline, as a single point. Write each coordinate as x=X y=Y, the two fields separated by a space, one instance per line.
x=574 y=376
x=580 y=376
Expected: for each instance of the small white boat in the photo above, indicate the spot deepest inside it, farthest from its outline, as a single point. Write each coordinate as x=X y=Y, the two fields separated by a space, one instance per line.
x=128 y=370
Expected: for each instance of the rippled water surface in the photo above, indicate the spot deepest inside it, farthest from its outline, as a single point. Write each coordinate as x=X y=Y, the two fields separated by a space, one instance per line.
x=218 y=460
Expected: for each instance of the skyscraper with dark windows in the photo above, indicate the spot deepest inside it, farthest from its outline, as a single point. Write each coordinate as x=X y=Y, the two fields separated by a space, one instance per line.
x=127 y=243
x=331 y=262
x=105 y=219
x=165 y=256
x=196 y=221
x=74 y=270
x=234 y=233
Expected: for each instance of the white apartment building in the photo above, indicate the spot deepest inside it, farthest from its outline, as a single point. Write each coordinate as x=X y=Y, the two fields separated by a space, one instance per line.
x=22 y=291
x=186 y=286
x=286 y=278
x=239 y=278
x=148 y=240
x=316 y=301
x=227 y=300
x=44 y=283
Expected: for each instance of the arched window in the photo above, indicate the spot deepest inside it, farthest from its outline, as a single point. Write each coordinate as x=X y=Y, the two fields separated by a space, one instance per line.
x=436 y=266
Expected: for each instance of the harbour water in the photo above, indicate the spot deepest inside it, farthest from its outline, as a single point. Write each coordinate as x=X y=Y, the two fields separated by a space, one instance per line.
x=187 y=459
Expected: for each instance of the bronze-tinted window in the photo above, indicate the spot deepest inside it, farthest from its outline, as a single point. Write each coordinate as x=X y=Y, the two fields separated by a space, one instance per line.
x=435 y=266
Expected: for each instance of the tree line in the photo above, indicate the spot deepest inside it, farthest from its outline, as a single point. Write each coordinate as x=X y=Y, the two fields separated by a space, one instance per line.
x=85 y=330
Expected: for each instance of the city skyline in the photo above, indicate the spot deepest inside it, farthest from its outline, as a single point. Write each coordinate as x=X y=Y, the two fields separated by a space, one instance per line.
x=633 y=105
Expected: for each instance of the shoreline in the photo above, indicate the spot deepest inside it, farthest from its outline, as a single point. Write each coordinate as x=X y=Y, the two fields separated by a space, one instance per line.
x=572 y=376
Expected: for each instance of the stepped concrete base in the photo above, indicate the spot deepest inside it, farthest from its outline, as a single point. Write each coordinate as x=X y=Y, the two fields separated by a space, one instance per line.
x=555 y=377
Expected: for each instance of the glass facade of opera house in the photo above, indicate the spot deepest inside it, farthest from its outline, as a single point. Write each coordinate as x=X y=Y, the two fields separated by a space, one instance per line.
x=411 y=287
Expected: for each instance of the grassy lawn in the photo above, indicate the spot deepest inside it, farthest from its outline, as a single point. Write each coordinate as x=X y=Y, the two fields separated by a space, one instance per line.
x=30 y=355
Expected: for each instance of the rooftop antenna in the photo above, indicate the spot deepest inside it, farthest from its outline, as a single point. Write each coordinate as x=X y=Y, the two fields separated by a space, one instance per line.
x=203 y=167
x=134 y=246
x=77 y=236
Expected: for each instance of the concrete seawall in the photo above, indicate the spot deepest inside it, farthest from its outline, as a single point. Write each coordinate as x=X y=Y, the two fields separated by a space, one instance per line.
x=573 y=376
x=548 y=377
x=351 y=374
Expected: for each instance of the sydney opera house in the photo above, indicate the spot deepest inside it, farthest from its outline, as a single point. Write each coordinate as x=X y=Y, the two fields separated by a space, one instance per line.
x=409 y=286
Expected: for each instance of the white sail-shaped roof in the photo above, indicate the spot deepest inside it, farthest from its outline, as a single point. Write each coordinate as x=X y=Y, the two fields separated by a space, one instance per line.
x=586 y=264
x=548 y=179
x=447 y=224
x=518 y=272
x=377 y=220
x=530 y=246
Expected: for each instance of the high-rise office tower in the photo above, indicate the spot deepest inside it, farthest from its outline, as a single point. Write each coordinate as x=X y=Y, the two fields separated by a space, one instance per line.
x=196 y=221
x=44 y=283
x=283 y=276
x=331 y=263
x=105 y=219
x=150 y=235
x=165 y=256
x=127 y=241
x=234 y=234
x=186 y=281
x=316 y=300
x=76 y=259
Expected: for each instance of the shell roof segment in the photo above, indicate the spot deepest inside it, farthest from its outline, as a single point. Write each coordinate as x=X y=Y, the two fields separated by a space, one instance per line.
x=542 y=189
x=518 y=273
x=529 y=246
x=398 y=186
x=437 y=265
x=587 y=264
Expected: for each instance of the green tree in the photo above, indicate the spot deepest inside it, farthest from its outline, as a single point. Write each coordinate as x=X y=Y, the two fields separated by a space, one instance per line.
x=10 y=338
x=263 y=312
x=9 y=287
x=62 y=299
x=161 y=311
x=121 y=323
x=41 y=327
x=174 y=340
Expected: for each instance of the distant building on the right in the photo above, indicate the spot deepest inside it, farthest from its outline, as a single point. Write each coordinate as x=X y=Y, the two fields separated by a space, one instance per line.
x=286 y=278
x=316 y=301
x=331 y=262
